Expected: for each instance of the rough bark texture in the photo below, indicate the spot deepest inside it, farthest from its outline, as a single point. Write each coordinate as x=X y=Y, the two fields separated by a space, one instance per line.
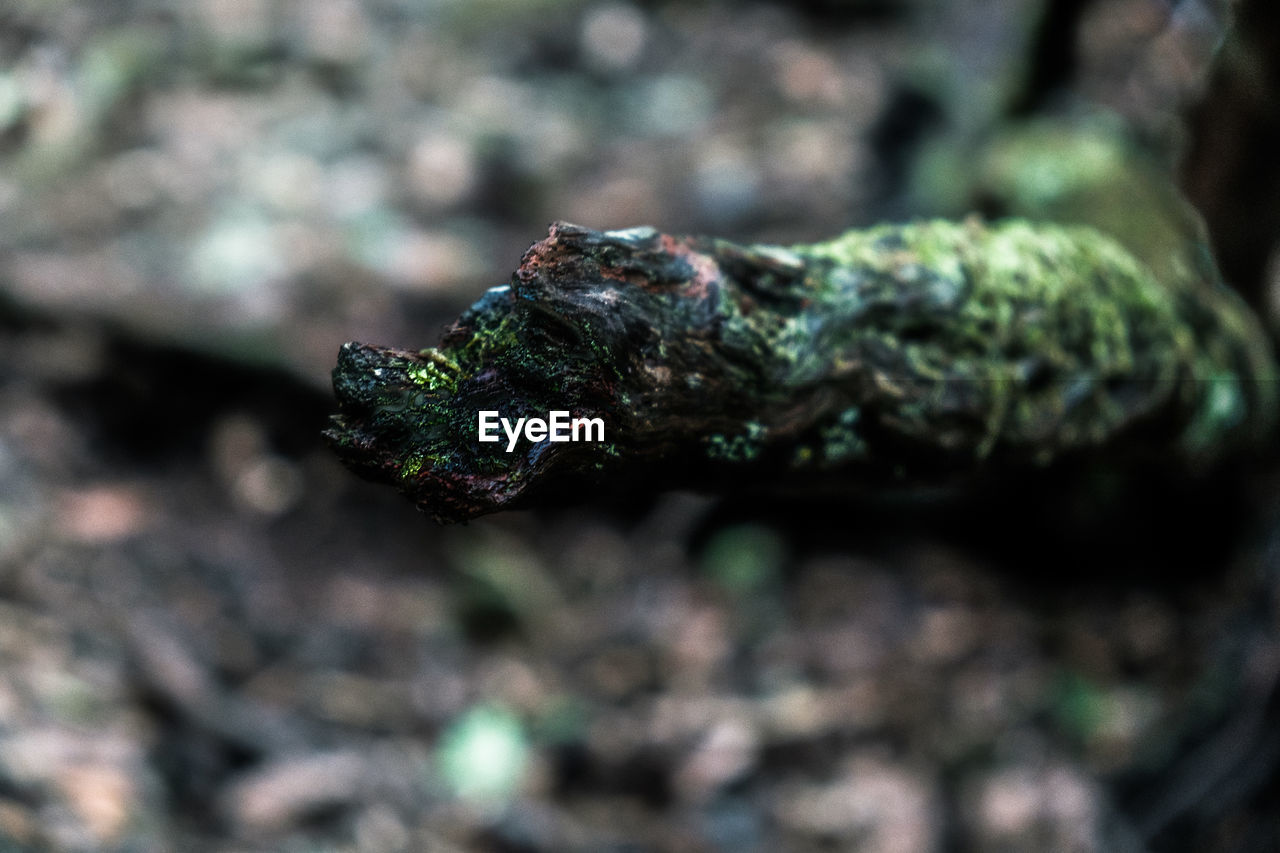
x=906 y=355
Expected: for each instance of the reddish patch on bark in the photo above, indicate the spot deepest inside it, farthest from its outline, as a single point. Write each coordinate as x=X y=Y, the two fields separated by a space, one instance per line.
x=705 y=270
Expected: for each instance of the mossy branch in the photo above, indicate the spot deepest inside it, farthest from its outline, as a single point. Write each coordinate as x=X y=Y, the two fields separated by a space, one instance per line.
x=912 y=354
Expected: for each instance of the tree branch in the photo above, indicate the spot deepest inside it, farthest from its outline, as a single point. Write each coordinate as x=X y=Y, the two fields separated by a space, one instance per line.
x=905 y=355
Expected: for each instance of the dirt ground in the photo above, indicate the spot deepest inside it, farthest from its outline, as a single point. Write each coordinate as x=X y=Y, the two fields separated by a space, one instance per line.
x=214 y=638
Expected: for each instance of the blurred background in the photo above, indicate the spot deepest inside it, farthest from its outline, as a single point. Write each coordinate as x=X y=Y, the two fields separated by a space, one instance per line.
x=213 y=638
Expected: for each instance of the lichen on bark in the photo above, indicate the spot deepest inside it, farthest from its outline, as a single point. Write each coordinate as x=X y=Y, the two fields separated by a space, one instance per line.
x=901 y=354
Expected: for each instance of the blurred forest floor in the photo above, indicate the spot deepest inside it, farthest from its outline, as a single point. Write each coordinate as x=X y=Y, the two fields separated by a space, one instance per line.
x=213 y=638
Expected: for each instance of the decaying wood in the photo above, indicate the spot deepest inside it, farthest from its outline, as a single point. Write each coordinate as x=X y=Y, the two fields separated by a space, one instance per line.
x=912 y=354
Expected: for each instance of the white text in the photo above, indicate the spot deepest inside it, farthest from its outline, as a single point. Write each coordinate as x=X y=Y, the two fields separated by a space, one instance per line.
x=557 y=426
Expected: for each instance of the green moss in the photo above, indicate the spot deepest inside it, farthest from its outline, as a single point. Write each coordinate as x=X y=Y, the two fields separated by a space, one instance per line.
x=840 y=441
x=411 y=468
x=931 y=349
x=738 y=448
x=439 y=374
x=966 y=315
